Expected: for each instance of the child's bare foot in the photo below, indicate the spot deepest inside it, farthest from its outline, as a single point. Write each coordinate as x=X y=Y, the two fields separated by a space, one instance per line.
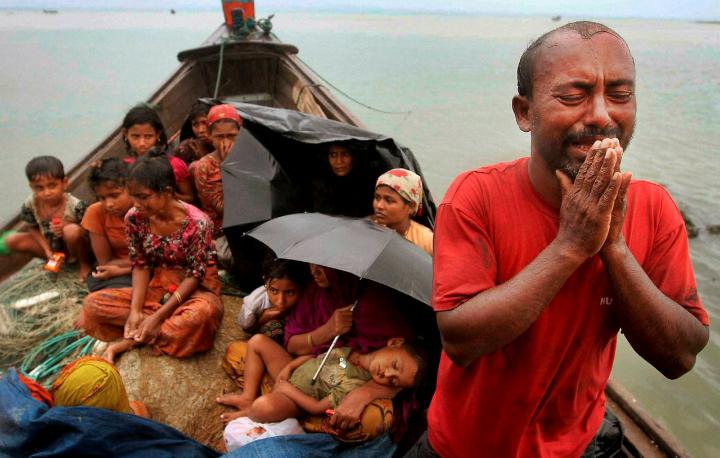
x=117 y=348
x=227 y=417
x=236 y=399
x=85 y=270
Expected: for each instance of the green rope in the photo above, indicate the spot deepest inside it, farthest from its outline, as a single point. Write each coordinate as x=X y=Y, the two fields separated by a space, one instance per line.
x=220 y=66
x=55 y=351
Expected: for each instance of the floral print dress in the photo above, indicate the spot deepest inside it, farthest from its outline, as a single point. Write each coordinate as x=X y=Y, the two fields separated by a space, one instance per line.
x=188 y=252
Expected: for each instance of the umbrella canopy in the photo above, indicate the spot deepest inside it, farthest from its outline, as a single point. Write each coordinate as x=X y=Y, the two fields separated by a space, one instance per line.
x=278 y=152
x=354 y=245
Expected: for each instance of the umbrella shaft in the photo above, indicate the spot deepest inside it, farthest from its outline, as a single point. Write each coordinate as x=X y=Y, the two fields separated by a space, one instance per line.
x=322 y=363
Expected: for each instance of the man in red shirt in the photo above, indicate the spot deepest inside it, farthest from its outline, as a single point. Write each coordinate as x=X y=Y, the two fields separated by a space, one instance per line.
x=540 y=261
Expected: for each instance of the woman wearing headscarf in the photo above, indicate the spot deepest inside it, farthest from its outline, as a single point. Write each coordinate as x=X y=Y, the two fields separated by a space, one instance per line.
x=399 y=197
x=87 y=382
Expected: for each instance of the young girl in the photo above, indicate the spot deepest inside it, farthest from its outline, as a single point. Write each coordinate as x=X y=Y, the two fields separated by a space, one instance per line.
x=105 y=222
x=170 y=244
x=195 y=141
x=265 y=308
x=144 y=134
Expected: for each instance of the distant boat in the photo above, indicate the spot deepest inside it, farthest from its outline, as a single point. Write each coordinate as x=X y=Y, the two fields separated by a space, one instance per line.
x=172 y=11
x=556 y=18
x=46 y=11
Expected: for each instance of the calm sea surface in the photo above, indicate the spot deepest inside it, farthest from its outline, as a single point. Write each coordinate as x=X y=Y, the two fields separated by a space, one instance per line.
x=66 y=80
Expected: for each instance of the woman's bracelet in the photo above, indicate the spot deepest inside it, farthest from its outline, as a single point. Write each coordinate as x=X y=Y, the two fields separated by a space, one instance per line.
x=309 y=338
x=178 y=297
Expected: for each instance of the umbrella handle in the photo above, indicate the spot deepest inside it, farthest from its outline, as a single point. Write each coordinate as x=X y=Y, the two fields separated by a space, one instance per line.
x=327 y=354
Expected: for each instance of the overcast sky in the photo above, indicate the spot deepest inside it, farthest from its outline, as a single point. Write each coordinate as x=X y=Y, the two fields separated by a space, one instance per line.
x=693 y=9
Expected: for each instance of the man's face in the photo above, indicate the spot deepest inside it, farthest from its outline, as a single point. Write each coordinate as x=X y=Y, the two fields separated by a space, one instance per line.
x=583 y=91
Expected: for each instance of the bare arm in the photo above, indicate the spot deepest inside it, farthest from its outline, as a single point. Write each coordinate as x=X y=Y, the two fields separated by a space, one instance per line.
x=40 y=240
x=347 y=413
x=149 y=329
x=185 y=191
x=662 y=331
x=658 y=328
x=339 y=323
x=497 y=316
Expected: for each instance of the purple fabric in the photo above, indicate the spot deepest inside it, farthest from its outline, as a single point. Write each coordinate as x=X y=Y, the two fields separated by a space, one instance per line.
x=375 y=320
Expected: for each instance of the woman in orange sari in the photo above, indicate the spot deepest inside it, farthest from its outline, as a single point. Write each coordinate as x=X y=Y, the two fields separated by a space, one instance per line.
x=174 y=303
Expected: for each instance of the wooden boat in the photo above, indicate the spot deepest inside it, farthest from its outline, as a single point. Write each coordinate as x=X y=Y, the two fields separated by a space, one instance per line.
x=261 y=69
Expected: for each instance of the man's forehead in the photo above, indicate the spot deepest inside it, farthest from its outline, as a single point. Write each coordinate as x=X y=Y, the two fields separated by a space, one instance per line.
x=564 y=41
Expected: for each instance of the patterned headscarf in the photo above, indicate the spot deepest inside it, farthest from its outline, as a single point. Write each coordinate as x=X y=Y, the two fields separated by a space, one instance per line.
x=406 y=183
x=91 y=382
x=225 y=111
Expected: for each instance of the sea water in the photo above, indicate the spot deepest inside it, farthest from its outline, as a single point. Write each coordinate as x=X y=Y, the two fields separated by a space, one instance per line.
x=66 y=81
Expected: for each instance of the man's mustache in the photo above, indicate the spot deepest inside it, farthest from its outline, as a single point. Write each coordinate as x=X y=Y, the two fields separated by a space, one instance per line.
x=593 y=132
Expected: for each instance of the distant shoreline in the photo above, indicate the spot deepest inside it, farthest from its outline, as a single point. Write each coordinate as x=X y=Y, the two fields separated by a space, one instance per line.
x=361 y=10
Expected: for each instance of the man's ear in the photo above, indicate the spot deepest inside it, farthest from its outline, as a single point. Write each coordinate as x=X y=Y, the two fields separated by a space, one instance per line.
x=396 y=342
x=65 y=182
x=521 y=108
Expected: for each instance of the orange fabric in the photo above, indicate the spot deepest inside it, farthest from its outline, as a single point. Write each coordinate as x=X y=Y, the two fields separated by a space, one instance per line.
x=234 y=366
x=37 y=391
x=100 y=222
x=207 y=176
x=190 y=329
x=376 y=419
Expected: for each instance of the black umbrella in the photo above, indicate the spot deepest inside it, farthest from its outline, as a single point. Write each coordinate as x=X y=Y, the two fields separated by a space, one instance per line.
x=266 y=173
x=354 y=245
x=252 y=181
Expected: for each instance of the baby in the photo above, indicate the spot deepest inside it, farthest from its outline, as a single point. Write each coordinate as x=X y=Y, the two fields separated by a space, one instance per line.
x=397 y=365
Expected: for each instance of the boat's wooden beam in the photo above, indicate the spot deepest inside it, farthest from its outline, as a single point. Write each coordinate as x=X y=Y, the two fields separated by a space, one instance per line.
x=640 y=426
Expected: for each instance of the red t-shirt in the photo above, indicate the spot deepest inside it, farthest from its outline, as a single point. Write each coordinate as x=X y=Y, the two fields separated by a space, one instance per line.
x=542 y=394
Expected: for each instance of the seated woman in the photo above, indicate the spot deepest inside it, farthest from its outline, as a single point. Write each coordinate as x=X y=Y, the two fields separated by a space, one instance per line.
x=195 y=141
x=105 y=222
x=170 y=244
x=343 y=186
x=324 y=311
x=144 y=134
x=264 y=310
x=224 y=125
x=398 y=197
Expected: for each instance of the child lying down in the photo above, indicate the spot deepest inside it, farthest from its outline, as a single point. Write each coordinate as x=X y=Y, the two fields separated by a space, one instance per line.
x=397 y=365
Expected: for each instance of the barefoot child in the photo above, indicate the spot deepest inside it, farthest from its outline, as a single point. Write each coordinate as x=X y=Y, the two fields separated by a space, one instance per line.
x=265 y=308
x=105 y=222
x=170 y=243
x=397 y=365
x=52 y=214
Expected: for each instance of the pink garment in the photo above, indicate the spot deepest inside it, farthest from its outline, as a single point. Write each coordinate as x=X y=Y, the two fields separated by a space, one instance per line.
x=375 y=320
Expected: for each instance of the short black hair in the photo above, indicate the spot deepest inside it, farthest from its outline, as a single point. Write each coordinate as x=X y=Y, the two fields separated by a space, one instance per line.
x=154 y=173
x=526 y=66
x=112 y=169
x=44 y=166
x=144 y=114
x=295 y=271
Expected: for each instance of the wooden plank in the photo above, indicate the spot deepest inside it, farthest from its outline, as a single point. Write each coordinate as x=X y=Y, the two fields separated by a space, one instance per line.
x=647 y=433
